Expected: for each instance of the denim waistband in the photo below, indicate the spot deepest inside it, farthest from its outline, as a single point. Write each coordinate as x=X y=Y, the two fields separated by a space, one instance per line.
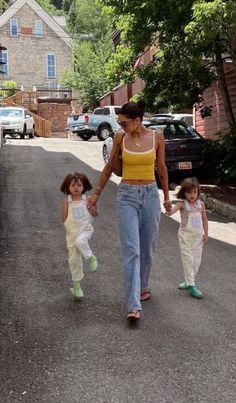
x=127 y=186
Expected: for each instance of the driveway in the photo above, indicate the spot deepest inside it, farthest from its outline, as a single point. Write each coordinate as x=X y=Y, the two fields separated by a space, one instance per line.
x=54 y=349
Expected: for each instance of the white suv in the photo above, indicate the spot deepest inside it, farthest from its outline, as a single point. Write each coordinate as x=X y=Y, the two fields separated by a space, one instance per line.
x=16 y=121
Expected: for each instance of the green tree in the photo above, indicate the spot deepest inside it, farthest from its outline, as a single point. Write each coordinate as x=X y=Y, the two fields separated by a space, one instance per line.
x=57 y=3
x=86 y=17
x=188 y=33
x=90 y=29
x=212 y=31
x=3 y=6
x=88 y=78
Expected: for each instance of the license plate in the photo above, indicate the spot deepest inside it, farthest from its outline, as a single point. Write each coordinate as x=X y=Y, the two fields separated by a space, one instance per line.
x=185 y=165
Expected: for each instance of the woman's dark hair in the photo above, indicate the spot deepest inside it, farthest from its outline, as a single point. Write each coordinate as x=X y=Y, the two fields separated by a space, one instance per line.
x=133 y=110
x=188 y=185
x=76 y=176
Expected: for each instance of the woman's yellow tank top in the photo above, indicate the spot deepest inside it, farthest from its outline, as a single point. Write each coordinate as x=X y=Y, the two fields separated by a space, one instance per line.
x=138 y=165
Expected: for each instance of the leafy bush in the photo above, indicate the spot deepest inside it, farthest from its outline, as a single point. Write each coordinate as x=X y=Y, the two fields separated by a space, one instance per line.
x=222 y=156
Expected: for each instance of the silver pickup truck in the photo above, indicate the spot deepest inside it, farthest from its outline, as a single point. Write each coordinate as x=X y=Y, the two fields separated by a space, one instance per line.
x=100 y=123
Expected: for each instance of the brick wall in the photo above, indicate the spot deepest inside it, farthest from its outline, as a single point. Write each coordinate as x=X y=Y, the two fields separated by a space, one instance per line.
x=213 y=97
x=57 y=114
x=27 y=53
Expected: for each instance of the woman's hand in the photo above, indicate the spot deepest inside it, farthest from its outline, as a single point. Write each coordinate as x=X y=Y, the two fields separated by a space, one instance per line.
x=92 y=210
x=92 y=201
x=168 y=206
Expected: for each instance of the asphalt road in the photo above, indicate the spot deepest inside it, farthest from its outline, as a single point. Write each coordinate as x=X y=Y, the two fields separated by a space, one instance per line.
x=56 y=350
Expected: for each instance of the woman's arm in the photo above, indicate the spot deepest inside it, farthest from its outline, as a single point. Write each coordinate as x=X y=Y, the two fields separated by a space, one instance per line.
x=107 y=170
x=64 y=209
x=204 y=223
x=162 y=169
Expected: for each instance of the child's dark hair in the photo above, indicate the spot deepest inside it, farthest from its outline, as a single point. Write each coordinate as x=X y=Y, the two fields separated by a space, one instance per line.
x=133 y=110
x=76 y=176
x=188 y=185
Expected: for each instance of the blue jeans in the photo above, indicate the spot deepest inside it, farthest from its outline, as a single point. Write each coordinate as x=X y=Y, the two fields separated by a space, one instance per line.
x=139 y=214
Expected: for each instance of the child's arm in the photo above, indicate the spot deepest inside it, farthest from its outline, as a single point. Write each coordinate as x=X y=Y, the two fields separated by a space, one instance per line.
x=205 y=224
x=177 y=207
x=64 y=209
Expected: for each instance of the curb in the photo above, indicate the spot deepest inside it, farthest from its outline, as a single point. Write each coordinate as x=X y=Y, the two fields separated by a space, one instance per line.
x=220 y=207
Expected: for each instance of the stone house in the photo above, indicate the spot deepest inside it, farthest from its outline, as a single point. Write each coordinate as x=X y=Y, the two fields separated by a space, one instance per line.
x=38 y=48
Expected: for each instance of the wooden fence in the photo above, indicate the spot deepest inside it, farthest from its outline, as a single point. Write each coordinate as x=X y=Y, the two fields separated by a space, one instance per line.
x=43 y=127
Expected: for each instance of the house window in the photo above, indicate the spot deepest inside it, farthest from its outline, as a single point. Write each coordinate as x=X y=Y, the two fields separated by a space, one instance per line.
x=14 y=27
x=51 y=65
x=38 y=28
x=4 y=67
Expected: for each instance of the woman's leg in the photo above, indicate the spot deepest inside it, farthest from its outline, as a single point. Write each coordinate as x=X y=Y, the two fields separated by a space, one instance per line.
x=128 y=217
x=149 y=231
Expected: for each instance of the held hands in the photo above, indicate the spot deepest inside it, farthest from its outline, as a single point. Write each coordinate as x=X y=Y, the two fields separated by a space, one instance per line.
x=205 y=239
x=92 y=205
x=168 y=206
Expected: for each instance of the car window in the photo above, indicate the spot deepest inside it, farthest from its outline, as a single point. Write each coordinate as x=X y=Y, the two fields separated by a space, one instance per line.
x=27 y=114
x=12 y=113
x=176 y=131
x=106 y=111
x=117 y=111
x=98 y=111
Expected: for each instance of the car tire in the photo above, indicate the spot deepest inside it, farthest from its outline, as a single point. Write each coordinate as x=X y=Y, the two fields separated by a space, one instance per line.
x=31 y=135
x=85 y=136
x=105 y=154
x=103 y=132
x=22 y=135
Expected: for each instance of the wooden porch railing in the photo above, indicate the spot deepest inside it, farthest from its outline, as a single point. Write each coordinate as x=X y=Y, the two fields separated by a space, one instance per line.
x=27 y=99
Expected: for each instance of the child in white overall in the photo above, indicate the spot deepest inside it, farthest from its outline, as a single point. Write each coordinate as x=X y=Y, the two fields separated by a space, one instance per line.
x=193 y=232
x=78 y=225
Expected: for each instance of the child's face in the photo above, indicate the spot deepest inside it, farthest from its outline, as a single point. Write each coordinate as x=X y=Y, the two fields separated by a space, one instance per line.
x=76 y=187
x=191 y=195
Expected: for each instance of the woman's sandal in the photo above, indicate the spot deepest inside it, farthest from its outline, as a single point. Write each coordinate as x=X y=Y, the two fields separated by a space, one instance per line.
x=145 y=295
x=133 y=316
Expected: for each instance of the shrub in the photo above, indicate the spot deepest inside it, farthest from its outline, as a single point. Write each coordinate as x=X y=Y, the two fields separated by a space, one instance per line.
x=222 y=155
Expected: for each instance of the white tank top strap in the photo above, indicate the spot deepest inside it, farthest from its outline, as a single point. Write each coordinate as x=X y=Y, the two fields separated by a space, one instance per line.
x=199 y=204
x=69 y=198
x=187 y=205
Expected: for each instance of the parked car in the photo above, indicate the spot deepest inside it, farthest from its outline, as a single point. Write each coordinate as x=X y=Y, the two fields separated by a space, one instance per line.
x=183 y=145
x=16 y=121
x=184 y=117
x=100 y=123
x=161 y=116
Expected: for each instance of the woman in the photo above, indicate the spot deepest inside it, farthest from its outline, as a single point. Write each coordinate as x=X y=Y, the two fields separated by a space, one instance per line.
x=138 y=202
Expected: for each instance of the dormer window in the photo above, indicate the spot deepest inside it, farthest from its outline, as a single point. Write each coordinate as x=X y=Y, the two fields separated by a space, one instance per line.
x=14 y=27
x=39 y=28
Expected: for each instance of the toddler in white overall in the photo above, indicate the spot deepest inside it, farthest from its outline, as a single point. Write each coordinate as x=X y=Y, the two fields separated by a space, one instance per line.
x=79 y=229
x=192 y=233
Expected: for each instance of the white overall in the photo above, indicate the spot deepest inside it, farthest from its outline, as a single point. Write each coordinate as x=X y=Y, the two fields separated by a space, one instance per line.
x=191 y=241
x=79 y=230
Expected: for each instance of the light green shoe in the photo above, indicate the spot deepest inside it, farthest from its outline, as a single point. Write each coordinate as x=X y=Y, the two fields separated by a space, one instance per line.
x=93 y=263
x=77 y=290
x=183 y=286
x=195 y=292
